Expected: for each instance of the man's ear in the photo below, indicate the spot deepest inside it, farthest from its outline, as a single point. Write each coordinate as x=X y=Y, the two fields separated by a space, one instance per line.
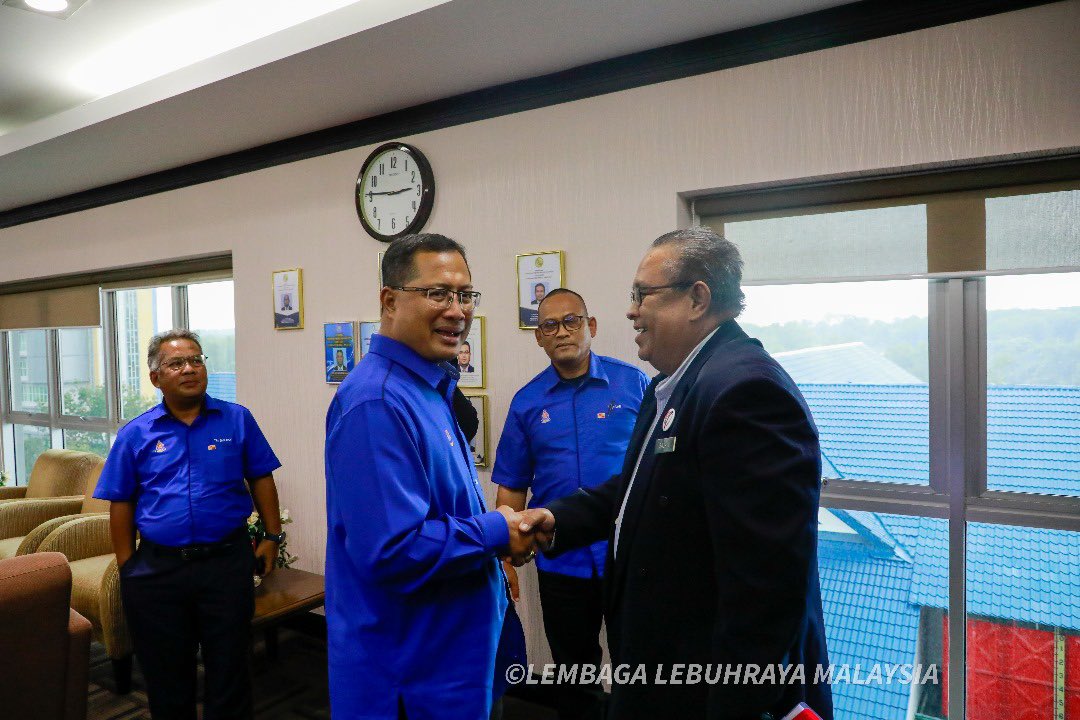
x=387 y=301
x=154 y=375
x=700 y=300
x=592 y=327
x=536 y=333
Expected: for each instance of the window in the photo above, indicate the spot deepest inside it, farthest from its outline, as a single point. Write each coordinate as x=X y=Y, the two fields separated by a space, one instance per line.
x=935 y=338
x=75 y=387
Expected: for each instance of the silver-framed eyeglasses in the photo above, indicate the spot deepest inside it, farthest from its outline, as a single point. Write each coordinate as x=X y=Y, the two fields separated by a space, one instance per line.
x=570 y=322
x=177 y=364
x=443 y=297
x=640 y=292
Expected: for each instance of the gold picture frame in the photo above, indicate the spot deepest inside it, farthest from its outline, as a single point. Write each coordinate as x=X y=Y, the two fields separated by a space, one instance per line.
x=474 y=378
x=479 y=445
x=533 y=274
x=288 y=297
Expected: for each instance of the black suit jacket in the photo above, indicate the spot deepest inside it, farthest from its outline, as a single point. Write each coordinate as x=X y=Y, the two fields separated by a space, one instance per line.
x=717 y=561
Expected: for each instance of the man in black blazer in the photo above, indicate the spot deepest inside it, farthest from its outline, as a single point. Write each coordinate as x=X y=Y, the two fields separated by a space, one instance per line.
x=712 y=524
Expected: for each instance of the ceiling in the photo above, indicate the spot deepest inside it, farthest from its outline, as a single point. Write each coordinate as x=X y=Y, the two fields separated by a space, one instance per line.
x=239 y=81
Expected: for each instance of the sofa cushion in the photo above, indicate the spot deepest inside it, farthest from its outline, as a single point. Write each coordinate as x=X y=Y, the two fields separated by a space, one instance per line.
x=86 y=578
x=9 y=546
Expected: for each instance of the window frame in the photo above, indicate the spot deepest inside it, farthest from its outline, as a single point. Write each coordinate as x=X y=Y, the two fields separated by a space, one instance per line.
x=957 y=364
x=54 y=419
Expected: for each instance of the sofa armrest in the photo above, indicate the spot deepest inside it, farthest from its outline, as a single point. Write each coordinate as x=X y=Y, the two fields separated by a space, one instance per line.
x=32 y=541
x=12 y=493
x=19 y=518
x=85 y=536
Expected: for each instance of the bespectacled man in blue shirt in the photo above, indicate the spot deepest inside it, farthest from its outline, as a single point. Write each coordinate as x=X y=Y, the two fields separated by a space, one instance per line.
x=180 y=474
x=568 y=428
x=415 y=594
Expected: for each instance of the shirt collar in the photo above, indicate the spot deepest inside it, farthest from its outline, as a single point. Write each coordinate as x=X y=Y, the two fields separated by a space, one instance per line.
x=431 y=373
x=666 y=387
x=595 y=372
x=209 y=405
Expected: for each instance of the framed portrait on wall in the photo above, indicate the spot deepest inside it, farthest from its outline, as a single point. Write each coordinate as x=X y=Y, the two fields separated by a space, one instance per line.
x=367 y=329
x=479 y=444
x=339 y=344
x=378 y=269
x=288 y=299
x=537 y=275
x=472 y=357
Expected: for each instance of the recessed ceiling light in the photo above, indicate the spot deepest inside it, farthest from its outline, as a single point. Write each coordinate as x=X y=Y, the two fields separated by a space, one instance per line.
x=58 y=9
x=48 y=5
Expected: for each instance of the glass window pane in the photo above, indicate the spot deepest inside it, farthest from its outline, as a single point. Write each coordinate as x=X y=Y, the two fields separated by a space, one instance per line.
x=210 y=314
x=30 y=441
x=852 y=243
x=1033 y=383
x=1023 y=631
x=884 y=591
x=140 y=314
x=29 y=371
x=88 y=441
x=82 y=373
x=1033 y=231
x=858 y=352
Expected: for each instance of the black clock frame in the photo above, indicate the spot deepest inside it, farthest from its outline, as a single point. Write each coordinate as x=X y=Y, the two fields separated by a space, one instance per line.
x=427 y=198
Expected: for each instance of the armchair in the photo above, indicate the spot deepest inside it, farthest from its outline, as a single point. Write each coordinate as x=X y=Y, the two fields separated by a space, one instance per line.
x=25 y=522
x=95 y=586
x=48 y=641
x=56 y=473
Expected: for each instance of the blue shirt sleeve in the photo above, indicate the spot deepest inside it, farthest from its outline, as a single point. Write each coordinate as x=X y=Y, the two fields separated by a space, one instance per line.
x=514 y=465
x=119 y=478
x=259 y=457
x=379 y=497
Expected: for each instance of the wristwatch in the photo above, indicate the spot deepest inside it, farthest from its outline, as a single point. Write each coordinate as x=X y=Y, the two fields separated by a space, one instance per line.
x=279 y=538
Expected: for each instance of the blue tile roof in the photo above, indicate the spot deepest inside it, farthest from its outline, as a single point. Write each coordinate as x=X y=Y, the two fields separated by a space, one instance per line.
x=222 y=386
x=880 y=432
x=852 y=362
x=869 y=619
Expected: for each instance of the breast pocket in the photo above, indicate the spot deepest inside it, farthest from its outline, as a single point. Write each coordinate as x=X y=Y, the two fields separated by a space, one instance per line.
x=225 y=464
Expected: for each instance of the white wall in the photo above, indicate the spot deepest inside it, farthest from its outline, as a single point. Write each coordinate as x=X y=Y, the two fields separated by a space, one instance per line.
x=598 y=178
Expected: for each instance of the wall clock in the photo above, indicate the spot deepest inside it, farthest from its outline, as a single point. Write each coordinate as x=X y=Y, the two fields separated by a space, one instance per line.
x=394 y=191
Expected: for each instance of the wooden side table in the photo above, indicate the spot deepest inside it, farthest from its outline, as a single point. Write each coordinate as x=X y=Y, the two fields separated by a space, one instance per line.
x=284 y=593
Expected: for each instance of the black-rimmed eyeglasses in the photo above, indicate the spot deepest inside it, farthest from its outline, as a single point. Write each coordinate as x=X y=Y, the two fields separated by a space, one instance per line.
x=570 y=322
x=640 y=292
x=443 y=297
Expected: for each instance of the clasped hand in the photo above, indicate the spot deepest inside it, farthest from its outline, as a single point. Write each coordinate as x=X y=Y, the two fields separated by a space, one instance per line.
x=530 y=532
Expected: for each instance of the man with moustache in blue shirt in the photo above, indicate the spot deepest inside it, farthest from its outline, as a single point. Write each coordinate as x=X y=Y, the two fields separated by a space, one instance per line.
x=415 y=594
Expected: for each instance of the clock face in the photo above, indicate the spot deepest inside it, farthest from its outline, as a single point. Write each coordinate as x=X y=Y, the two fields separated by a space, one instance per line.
x=395 y=191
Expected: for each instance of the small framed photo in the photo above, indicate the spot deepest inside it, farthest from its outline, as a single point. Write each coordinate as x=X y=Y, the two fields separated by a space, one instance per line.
x=288 y=299
x=367 y=329
x=472 y=357
x=340 y=350
x=479 y=444
x=537 y=275
x=378 y=269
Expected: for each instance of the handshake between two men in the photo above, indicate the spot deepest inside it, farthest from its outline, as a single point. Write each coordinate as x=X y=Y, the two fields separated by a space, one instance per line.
x=530 y=531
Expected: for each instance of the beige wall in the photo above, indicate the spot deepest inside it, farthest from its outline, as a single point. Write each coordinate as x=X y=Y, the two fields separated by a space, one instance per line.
x=598 y=178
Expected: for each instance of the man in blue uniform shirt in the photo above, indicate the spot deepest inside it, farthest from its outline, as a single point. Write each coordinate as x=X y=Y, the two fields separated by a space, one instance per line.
x=415 y=595
x=177 y=475
x=568 y=428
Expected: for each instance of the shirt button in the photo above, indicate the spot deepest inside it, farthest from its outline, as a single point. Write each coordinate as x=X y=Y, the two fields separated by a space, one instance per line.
x=642 y=572
x=663 y=501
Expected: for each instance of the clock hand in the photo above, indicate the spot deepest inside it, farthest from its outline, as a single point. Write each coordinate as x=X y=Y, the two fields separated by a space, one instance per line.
x=389 y=192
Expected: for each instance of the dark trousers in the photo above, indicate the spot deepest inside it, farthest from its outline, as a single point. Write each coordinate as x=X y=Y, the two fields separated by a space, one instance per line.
x=174 y=607
x=573 y=610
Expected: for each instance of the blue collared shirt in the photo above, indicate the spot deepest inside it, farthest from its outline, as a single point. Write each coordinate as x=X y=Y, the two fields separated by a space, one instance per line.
x=559 y=437
x=415 y=597
x=187 y=482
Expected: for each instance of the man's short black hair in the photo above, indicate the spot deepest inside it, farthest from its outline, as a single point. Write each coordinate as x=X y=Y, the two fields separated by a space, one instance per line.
x=542 y=286
x=398 y=267
x=465 y=344
x=563 y=291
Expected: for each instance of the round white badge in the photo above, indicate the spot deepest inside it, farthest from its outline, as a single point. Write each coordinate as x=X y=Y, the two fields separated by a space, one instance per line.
x=669 y=418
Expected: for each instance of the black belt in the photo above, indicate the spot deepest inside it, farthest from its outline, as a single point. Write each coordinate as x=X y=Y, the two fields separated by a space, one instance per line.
x=202 y=550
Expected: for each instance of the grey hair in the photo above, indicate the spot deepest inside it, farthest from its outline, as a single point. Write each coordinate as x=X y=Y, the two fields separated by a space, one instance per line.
x=714 y=260
x=153 y=350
